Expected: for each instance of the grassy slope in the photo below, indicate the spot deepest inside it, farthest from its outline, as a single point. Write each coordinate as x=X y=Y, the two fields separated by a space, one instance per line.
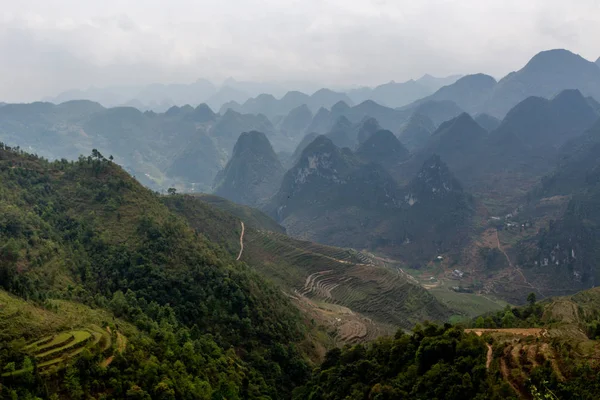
x=340 y=276
x=23 y=320
x=252 y=217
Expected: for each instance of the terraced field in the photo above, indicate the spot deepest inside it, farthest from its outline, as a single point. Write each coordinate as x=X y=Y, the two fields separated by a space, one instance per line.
x=516 y=352
x=342 y=277
x=520 y=358
x=54 y=352
x=344 y=325
x=318 y=276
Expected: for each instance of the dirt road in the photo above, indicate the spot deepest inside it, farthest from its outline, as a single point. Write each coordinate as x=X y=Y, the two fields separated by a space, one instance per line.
x=512 y=266
x=241 y=242
x=511 y=331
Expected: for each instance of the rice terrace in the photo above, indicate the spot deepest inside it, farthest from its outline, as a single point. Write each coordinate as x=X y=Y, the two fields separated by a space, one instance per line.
x=53 y=352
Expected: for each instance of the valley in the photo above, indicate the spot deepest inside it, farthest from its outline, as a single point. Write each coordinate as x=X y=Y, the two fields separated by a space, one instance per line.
x=432 y=239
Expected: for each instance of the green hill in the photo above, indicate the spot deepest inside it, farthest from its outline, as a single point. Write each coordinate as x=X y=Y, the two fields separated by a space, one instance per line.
x=86 y=233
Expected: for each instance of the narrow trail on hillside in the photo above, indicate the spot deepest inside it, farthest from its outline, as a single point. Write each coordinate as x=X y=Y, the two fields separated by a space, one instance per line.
x=490 y=354
x=241 y=241
x=512 y=266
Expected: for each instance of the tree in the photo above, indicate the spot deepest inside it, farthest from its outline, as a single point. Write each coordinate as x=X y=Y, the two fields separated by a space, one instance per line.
x=10 y=367
x=480 y=322
x=72 y=383
x=172 y=191
x=508 y=319
x=531 y=299
x=28 y=376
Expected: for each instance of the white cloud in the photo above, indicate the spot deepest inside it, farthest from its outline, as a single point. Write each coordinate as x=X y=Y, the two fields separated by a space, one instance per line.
x=49 y=46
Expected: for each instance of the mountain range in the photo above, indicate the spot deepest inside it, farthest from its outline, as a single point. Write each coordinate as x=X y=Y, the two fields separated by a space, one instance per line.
x=466 y=210
x=393 y=94
x=249 y=97
x=336 y=197
x=545 y=75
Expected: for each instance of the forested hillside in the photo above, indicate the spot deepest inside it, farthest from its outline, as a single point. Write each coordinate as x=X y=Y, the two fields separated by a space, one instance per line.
x=356 y=295
x=83 y=244
x=545 y=350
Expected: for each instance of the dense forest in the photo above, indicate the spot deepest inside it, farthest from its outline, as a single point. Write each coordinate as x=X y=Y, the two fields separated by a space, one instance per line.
x=434 y=362
x=204 y=326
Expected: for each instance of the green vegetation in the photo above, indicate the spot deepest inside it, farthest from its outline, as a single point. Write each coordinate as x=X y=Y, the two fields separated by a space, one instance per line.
x=251 y=216
x=433 y=363
x=323 y=273
x=503 y=357
x=110 y=291
x=467 y=305
x=82 y=244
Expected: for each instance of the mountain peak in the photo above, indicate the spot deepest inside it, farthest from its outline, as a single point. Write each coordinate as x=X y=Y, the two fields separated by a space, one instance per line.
x=251 y=140
x=203 y=107
x=295 y=97
x=433 y=181
x=321 y=144
x=555 y=59
x=383 y=147
x=203 y=113
x=539 y=122
x=252 y=174
x=463 y=123
x=324 y=91
x=478 y=79
x=368 y=126
x=297 y=120
x=339 y=107
x=171 y=112
x=231 y=113
x=342 y=133
x=416 y=131
x=321 y=159
x=569 y=95
x=342 y=123
x=487 y=122
x=468 y=92
x=546 y=74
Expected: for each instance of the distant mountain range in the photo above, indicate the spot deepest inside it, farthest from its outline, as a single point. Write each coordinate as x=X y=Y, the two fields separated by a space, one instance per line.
x=469 y=92
x=507 y=156
x=251 y=97
x=394 y=94
x=271 y=107
x=545 y=75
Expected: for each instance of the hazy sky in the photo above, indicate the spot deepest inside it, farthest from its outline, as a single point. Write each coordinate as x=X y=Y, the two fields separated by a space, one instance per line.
x=47 y=46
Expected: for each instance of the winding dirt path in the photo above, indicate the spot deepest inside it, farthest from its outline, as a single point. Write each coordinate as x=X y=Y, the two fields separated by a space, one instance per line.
x=512 y=266
x=490 y=354
x=504 y=252
x=241 y=241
